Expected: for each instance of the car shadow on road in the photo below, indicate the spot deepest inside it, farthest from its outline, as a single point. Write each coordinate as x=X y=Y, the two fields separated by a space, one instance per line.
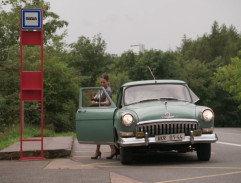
x=164 y=158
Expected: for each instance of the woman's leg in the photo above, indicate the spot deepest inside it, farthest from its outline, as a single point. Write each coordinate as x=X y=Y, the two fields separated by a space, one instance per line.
x=112 y=152
x=112 y=149
x=97 y=152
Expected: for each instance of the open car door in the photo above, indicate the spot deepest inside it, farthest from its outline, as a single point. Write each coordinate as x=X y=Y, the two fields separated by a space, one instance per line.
x=94 y=123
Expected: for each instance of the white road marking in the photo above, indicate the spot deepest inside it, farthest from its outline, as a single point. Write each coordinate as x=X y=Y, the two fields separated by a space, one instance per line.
x=201 y=177
x=231 y=144
x=228 y=133
x=117 y=178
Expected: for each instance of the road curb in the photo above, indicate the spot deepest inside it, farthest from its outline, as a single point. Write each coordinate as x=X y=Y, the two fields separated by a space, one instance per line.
x=54 y=147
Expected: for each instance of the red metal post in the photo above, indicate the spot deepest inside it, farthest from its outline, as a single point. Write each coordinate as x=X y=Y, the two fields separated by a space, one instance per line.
x=42 y=93
x=31 y=82
x=21 y=101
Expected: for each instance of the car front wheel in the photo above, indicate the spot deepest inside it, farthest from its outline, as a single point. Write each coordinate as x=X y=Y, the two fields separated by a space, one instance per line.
x=204 y=152
x=125 y=155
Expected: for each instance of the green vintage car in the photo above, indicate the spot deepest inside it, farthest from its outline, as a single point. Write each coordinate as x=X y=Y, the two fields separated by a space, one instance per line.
x=152 y=115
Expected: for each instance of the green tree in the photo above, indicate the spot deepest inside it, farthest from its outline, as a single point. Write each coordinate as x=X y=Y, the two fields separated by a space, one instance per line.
x=116 y=81
x=222 y=42
x=88 y=57
x=10 y=88
x=197 y=75
x=125 y=62
x=10 y=23
x=60 y=81
x=162 y=64
x=61 y=93
x=229 y=79
x=198 y=61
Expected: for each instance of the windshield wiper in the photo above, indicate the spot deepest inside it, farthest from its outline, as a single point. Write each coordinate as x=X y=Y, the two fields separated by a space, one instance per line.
x=155 y=99
x=148 y=100
x=173 y=98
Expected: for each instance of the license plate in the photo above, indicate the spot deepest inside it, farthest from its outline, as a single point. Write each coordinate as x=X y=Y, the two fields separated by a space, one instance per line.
x=170 y=137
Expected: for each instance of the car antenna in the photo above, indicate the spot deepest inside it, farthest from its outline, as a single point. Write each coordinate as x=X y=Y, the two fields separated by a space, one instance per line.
x=152 y=74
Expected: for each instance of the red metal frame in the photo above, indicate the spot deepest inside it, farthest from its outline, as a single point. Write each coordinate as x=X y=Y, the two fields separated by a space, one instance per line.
x=31 y=87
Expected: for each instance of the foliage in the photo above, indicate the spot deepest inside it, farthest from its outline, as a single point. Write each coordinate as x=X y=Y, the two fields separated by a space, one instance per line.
x=88 y=58
x=198 y=62
x=116 y=81
x=10 y=23
x=10 y=88
x=229 y=78
x=197 y=75
x=222 y=42
x=60 y=81
x=12 y=134
x=61 y=88
x=162 y=64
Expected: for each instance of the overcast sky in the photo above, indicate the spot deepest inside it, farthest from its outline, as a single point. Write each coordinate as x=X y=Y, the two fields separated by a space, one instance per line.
x=158 y=24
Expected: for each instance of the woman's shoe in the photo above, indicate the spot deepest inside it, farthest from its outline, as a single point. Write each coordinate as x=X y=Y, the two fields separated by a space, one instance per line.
x=112 y=155
x=95 y=157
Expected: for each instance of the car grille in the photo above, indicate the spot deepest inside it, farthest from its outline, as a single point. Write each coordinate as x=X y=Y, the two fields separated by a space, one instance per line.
x=167 y=127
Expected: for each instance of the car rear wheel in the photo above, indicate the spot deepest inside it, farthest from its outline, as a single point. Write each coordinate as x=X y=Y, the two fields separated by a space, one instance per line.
x=125 y=155
x=204 y=152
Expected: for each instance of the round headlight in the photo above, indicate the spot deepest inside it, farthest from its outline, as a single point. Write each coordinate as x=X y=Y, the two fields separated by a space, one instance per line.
x=127 y=119
x=207 y=115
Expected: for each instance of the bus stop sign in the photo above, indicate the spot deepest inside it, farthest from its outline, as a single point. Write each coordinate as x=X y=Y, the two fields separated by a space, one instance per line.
x=31 y=18
x=31 y=82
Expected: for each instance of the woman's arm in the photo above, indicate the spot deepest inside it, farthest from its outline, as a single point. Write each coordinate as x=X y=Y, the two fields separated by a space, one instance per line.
x=91 y=94
x=105 y=103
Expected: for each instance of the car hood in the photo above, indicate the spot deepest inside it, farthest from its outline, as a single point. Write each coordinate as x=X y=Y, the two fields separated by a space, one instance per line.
x=163 y=110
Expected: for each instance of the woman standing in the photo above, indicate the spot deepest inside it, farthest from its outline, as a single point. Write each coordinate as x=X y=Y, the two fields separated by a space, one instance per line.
x=103 y=101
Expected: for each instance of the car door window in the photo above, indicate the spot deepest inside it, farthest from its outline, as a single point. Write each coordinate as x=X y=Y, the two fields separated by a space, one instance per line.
x=93 y=96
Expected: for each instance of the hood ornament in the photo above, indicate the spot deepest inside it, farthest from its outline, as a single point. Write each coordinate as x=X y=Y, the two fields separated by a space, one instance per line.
x=167 y=116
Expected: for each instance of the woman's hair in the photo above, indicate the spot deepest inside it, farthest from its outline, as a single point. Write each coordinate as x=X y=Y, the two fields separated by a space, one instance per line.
x=105 y=76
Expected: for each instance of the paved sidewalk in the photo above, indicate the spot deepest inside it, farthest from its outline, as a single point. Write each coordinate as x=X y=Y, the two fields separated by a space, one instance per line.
x=54 y=147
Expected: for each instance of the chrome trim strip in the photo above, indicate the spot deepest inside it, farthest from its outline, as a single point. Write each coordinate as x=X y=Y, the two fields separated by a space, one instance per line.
x=146 y=139
x=167 y=126
x=191 y=137
x=167 y=120
x=133 y=141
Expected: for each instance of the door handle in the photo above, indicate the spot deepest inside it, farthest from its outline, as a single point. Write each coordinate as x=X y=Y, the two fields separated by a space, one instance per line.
x=79 y=110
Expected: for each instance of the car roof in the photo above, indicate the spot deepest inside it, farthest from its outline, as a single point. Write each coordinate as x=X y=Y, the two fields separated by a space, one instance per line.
x=146 y=82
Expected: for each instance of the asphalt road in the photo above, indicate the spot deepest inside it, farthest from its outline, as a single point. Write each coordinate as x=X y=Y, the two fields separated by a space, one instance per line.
x=166 y=167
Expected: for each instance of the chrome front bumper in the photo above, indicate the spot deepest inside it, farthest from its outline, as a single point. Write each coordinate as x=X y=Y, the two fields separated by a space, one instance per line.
x=133 y=141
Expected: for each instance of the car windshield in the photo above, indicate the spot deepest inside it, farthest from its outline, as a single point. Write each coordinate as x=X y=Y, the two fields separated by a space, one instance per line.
x=156 y=92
